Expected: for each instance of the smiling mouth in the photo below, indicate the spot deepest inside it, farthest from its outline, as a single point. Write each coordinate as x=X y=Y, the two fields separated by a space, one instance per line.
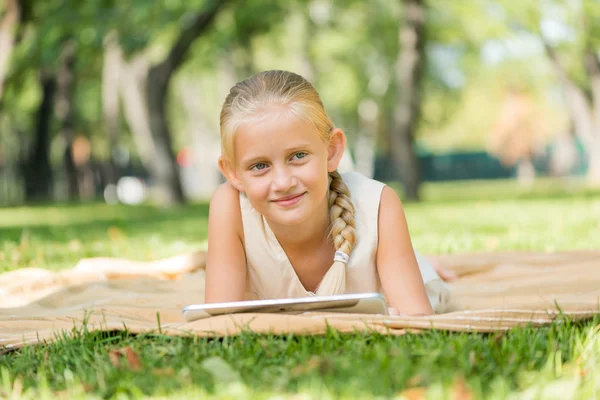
x=289 y=199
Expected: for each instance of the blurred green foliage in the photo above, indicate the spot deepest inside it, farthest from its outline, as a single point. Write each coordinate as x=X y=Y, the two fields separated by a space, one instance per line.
x=477 y=51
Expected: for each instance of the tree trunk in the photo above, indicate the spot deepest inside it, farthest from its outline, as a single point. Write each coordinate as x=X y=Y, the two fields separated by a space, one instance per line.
x=564 y=154
x=366 y=141
x=36 y=168
x=164 y=168
x=592 y=66
x=201 y=175
x=593 y=174
x=64 y=113
x=525 y=172
x=110 y=102
x=8 y=31
x=131 y=84
x=409 y=71
x=585 y=111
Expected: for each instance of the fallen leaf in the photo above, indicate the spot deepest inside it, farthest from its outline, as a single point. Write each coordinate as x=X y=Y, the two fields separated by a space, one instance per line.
x=415 y=380
x=87 y=387
x=416 y=393
x=461 y=391
x=114 y=357
x=310 y=366
x=133 y=359
x=498 y=337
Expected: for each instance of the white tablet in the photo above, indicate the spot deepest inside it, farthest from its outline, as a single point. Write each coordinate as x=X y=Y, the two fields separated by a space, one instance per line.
x=360 y=303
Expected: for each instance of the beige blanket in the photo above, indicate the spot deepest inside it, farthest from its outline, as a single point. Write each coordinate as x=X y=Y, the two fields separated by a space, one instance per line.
x=495 y=292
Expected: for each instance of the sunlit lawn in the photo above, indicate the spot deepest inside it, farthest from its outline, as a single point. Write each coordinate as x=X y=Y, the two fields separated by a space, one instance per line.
x=456 y=218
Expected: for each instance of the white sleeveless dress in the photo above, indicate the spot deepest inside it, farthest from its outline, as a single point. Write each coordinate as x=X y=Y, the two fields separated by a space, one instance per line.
x=270 y=275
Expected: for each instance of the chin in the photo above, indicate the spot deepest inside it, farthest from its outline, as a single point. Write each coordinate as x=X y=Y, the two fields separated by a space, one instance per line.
x=289 y=217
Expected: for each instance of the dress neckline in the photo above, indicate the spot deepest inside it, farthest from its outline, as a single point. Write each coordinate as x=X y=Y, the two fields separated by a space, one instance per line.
x=283 y=256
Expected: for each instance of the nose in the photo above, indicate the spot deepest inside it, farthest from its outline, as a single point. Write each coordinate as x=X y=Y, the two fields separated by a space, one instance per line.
x=283 y=179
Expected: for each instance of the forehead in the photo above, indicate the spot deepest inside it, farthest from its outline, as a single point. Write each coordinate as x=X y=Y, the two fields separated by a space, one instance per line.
x=281 y=129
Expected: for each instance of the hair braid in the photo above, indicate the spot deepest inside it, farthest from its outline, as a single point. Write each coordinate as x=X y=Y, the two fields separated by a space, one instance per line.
x=341 y=214
x=342 y=230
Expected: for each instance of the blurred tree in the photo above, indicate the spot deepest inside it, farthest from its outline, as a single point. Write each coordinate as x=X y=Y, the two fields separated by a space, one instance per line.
x=47 y=46
x=408 y=75
x=454 y=113
x=371 y=63
x=11 y=15
x=164 y=167
x=146 y=88
x=49 y=25
x=64 y=108
x=477 y=59
x=35 y=165
x=570 y=35
x=361 y=56
x=358 y=44
x=110 y=101
x=584 y=98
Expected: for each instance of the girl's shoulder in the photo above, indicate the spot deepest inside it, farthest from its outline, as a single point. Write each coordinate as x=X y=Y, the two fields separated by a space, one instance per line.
x=362 y=187
x=225 y=193
x=366 y=196
x=224 y=208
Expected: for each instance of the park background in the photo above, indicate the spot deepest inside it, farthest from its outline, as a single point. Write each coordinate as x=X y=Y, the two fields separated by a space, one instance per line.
x=484 y=115
x=119 y=101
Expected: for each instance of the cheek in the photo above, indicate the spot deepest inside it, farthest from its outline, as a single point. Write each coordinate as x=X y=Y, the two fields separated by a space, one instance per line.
x=257 y=188
x=316 y=177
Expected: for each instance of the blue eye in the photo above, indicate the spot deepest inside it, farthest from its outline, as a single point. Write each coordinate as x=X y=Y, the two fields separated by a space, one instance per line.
x=259 y=166
x=299 y=155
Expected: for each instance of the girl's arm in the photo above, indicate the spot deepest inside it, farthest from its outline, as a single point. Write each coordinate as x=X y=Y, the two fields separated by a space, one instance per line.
x=226 y=259
x=396 y=262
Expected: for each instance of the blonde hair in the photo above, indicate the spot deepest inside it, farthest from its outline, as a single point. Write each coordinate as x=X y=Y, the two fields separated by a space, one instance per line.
x=245 y=104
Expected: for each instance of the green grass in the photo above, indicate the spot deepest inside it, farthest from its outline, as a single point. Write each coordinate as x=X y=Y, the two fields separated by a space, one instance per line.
x=480 y=216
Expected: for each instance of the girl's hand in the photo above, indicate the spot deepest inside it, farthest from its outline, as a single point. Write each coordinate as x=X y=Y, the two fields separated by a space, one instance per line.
x=446 y=274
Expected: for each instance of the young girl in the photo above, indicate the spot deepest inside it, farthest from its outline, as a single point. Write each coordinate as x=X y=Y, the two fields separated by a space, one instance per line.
x=287 y=224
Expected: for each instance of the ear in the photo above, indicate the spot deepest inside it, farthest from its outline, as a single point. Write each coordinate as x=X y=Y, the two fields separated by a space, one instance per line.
x=228 y=170
x=335 y=148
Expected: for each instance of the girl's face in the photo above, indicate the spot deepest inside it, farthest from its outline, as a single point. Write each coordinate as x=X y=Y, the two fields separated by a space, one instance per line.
x=282 y=165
